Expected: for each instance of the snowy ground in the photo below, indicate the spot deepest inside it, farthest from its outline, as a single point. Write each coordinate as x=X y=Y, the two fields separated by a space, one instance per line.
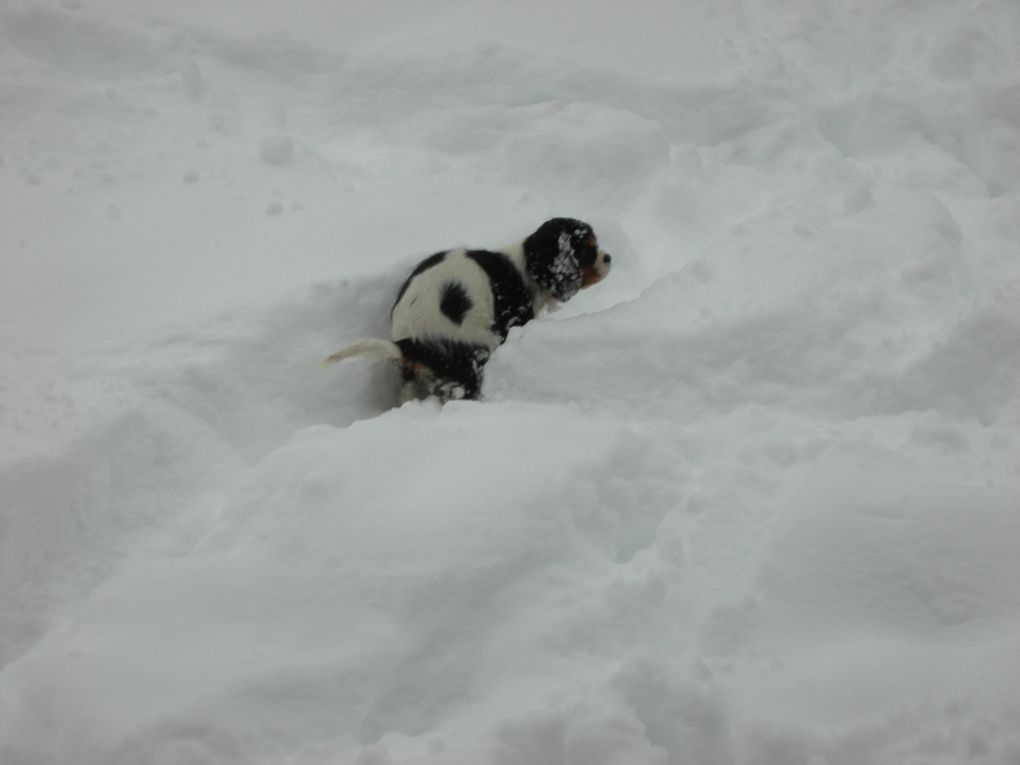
x=754 y=499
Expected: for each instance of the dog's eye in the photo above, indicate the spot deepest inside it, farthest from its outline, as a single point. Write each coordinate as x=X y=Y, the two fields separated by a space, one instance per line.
x=586 y=254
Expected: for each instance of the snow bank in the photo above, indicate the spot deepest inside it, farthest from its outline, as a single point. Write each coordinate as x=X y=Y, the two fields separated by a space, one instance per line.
x=869 y=544
x=753 y=499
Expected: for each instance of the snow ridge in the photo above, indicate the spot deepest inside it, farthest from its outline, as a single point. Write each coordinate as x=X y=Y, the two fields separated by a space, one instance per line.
x=752 y=499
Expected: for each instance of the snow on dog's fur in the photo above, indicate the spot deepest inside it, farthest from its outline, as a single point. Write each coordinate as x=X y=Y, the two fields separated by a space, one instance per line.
x=457 y=306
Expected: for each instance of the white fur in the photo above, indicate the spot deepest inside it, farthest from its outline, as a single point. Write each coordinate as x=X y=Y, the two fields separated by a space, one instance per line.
x=373 y=348
x=416 y=314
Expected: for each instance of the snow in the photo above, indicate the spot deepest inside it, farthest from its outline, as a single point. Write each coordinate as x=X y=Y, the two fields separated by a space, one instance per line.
x=752 y=499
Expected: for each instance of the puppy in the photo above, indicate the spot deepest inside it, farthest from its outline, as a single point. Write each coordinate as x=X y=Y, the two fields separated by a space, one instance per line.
x=457 y=306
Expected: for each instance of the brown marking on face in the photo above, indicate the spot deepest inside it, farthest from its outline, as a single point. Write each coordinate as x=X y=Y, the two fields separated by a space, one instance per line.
x=591 y=275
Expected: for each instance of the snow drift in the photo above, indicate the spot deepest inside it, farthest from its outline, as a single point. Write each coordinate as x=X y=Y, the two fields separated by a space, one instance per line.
x=753 y=499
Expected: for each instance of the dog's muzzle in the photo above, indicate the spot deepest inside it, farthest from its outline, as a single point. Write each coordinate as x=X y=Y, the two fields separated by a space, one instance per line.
x=595 y=273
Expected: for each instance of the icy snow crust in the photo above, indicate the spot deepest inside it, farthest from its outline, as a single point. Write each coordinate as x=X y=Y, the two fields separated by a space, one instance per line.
x=755 y=498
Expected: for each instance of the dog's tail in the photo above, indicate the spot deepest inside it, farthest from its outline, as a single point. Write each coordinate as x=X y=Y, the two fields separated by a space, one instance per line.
x=373 y=348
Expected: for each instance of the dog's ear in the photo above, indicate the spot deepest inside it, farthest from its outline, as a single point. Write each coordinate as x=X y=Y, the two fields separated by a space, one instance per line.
x=552 y=255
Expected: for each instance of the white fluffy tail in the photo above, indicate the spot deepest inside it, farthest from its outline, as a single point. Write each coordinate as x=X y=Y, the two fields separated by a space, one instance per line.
x=379 y=350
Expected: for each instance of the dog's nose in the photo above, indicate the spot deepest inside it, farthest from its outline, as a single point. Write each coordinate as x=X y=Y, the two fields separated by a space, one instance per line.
x=607 y=258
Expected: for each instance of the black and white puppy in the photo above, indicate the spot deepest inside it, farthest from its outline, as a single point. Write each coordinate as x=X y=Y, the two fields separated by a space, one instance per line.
x=457 y=306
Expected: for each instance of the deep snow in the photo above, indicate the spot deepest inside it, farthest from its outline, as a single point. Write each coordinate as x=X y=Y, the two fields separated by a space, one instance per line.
x=753 y=499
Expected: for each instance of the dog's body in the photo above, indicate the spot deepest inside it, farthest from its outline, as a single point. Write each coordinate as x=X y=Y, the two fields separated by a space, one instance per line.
x=457 y=306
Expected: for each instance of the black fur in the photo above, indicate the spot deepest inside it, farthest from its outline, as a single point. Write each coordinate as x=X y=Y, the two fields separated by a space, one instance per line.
x=554 y=253
x=454 y=302
x=512 y=303
x=452 y=363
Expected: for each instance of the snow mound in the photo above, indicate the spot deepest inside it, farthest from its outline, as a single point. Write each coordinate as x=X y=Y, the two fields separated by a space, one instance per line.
x=752 y=499
x=868 y=545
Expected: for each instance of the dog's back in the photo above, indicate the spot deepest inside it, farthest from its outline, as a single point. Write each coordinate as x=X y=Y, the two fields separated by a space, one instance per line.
x=451 y=313
x=448 y=297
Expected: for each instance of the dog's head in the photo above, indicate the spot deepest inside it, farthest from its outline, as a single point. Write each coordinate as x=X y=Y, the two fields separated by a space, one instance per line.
x=563 y=256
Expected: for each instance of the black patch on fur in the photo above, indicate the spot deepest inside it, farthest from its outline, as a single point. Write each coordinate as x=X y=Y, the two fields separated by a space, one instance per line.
x=431 y=260
x=511 y=301
x=453 y=364
x=454 y=302
x=553 y=254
